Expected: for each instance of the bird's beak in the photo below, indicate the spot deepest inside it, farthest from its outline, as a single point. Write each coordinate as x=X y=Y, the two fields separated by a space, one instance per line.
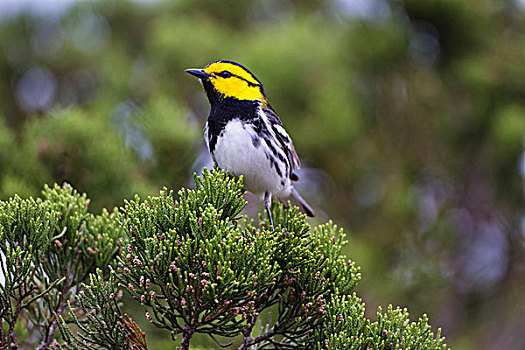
x=199 y=73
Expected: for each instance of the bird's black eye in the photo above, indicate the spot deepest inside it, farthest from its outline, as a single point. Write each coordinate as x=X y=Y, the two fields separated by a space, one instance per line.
x=224 y=74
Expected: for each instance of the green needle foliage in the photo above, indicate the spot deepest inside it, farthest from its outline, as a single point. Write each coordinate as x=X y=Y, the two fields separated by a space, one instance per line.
x=49 y=246
x=345 y=327
x=99 y=309
x=196 y=266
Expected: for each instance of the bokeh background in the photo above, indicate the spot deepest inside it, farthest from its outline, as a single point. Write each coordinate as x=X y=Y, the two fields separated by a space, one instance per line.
x=409 y=118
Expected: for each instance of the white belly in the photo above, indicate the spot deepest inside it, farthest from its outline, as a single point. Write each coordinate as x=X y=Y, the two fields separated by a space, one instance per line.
x=236 y=152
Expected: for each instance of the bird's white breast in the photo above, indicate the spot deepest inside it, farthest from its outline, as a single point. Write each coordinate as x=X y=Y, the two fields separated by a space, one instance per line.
x=240 y=151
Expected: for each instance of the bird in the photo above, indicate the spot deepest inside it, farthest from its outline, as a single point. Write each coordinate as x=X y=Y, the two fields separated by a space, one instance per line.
x=245 y=136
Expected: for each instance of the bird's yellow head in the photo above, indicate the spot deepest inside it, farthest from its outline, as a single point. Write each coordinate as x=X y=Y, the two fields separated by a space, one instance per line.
x=226 y=79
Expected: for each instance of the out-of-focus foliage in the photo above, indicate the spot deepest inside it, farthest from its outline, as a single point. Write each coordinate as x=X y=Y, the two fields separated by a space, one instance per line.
x=411 y=113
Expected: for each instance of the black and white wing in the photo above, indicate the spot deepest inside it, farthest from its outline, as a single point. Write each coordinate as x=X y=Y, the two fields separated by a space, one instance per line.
x=285 y=142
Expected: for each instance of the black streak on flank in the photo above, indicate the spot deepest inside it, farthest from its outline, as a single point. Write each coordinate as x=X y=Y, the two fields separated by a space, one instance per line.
x=278 y=155
x=270 y=146
x=256 y=141
x=275 y=165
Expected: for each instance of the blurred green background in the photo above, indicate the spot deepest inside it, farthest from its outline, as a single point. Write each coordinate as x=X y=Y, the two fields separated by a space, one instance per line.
x=409 y=118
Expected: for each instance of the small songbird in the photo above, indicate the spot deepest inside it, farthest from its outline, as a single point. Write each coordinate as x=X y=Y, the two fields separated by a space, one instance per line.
x=244 y=134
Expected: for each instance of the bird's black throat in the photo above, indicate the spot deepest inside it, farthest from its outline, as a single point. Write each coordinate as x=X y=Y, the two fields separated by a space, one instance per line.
x=224 y=110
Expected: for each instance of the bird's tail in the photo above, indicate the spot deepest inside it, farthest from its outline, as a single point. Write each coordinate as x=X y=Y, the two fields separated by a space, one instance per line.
x=307 y=209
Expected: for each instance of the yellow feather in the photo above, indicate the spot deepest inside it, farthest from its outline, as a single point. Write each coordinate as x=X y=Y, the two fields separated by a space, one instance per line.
x=233 y=86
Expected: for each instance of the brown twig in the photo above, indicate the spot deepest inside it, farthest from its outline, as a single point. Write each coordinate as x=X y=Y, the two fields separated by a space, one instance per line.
x=249 y=341
x=187 y=333
x=11 y=329
x=44 y=344
x=135 y=335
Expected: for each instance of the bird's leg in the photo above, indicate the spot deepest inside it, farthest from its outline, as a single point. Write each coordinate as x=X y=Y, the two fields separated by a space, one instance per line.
x=268 y=205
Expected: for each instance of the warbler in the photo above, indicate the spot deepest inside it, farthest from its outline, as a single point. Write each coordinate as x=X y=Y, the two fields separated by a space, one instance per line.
x=245 y=136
